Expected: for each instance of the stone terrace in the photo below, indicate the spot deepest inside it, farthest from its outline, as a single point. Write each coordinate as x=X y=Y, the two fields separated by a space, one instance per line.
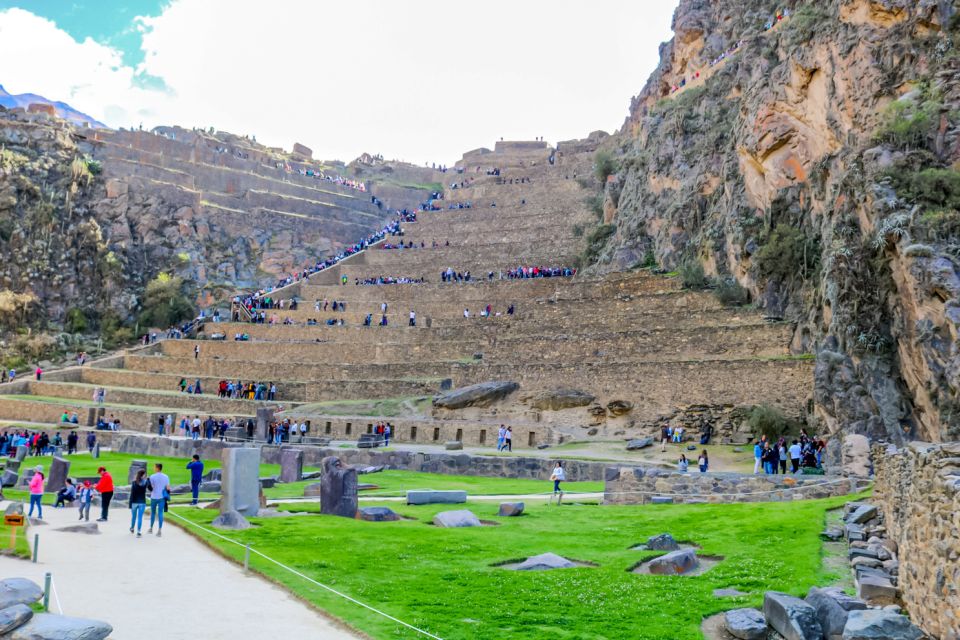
x=632 y=337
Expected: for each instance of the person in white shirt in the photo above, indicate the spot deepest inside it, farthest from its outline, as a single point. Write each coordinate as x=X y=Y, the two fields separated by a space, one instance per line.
x=466 y=313
x=558 y=476
x=795 y=454
x=159 y=486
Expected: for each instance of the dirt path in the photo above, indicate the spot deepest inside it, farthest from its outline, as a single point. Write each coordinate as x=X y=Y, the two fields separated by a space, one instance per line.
x=159 y=588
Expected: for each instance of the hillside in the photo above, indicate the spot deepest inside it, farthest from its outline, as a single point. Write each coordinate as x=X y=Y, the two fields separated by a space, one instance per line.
x=813 y=160
x=64 y=110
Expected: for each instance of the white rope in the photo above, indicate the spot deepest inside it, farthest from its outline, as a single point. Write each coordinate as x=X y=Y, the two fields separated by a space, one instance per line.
x=307 y=578
x=56 y=596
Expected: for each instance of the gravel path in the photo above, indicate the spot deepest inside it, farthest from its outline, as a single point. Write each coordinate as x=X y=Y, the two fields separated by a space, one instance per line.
x=153 y=588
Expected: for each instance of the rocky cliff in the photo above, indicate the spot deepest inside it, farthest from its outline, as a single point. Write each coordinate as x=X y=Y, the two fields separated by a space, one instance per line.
x=809 y=150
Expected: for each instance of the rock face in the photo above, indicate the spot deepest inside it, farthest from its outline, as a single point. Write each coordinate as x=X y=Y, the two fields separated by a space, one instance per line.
x=746 y=624
x=559 y=399
x=780 y=139
x=874 y=624
x=338 y=489
x=456 y=519
x=674 y=563
x=544 y=562
x=46 y=626
x=791 y=617
x=476 y=395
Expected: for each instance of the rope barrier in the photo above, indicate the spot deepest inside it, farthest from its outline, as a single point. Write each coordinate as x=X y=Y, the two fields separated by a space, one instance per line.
x=307 y=578
x=56 y=596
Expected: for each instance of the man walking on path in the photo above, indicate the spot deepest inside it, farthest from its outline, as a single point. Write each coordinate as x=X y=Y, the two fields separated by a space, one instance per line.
x=196 y=476
x=105 y=488
x=159 y=485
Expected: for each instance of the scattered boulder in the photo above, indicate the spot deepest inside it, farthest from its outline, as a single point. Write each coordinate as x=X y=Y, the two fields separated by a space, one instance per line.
x=674 y=563
x=508 y=509
x=426 y=496
x=231 y=520
x=454 y=519
x=453 y=445
x=830 y=612
x=312 y=490
x=13 y=617
x=876 y=588
x=18 y=591
x=9 y=478
x=14 y=509
x=639 y=443
x=362 y=470
x=862 y=514
x=89 y=528
x=877 y=624
x=47 y=626
x=662 y=542
x=377 y=514
x=545 y=562
x=558 y=399
x=832 y=534
x=791 y=617
x=619 y=407
x=746 y=624
x=661 y=500
x=210 y=486
x=476 y=395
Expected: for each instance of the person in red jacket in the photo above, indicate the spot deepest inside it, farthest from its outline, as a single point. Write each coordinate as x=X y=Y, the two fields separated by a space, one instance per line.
x=105 y=488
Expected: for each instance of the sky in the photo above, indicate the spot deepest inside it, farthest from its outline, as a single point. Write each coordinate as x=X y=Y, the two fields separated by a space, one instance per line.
x=415 y=80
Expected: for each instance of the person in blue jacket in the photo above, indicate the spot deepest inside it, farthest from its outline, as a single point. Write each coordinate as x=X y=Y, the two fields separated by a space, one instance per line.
x=196 y=476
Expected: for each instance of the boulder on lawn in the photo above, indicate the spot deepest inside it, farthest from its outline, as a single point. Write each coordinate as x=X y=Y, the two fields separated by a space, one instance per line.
x=454 y=519
x=639 y=443
x=544 y=562
x=662 y=542
x=89 y=528
x=211 y=486
x=558 y=399
x=18 y=591
x=508 y=509
x=9 y=478
x=746 y=624
x=476 y=395
x=231 y=520
x=791 y=617
x=830 y=612
x=674 y=563
x=877 y=624
x=53 y=627
x=312 y=490
x=13 y=617
x=377 y=514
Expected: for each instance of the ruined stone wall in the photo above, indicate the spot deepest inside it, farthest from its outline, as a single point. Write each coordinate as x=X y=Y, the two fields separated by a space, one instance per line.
x=918 y=491
x=639 y=485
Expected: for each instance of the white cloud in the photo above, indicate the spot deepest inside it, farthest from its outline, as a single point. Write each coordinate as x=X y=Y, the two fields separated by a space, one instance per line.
x=421 y=80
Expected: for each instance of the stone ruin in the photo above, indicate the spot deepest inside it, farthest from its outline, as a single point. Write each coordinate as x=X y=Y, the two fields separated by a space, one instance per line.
x=240 y=487
x=338 y=489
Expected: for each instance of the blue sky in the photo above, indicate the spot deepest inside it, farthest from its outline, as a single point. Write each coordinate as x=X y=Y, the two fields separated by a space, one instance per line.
x=418 y=80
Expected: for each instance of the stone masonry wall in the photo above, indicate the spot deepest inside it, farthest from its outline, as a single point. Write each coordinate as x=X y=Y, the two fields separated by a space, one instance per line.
x=639 y=485
x=918 y=491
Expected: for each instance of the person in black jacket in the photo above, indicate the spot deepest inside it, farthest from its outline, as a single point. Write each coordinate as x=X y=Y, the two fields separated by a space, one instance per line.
x=138 y=501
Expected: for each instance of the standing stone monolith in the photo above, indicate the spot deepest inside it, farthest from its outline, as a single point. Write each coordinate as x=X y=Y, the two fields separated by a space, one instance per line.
x=22 y=452
x=338 y=489
x=59 y=470
x=291 y=465
x=96 y=450
x=135 y=465
x=264 y=418
x=241 y=481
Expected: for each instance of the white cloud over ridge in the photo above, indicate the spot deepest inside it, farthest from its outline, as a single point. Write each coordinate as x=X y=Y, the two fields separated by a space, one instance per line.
x=422 y=81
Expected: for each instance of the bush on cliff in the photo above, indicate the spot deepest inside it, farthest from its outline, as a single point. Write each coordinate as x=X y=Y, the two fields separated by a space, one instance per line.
x=604 y=165
x=786 y=254
x=596 y=241
x=165 y=302
x=765 y=420
x=692 y=275
x=730 y=293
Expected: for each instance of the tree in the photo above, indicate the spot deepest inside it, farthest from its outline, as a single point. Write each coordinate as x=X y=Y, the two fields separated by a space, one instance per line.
x=165 y=302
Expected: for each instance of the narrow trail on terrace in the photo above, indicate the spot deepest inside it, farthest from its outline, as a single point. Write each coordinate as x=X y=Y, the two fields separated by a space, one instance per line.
x=153 y=588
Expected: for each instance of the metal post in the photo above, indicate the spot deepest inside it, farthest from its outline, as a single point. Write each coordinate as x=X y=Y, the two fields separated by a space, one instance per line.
x=47 y=579
x=36 y=543
x=246 y=558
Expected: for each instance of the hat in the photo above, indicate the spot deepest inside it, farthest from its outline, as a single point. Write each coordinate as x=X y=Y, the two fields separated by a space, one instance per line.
x=102 y=470
x=38 y=468
x=86 y=483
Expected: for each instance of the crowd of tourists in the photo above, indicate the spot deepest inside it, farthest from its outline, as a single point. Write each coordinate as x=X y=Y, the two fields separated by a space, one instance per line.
x=280 y=431
x=802 y=454
x=195 y=428
x=381 y=280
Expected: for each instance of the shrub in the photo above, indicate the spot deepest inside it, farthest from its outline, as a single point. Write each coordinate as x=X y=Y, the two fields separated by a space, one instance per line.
x=595 y=243
x=931 y=188
x=908 y=124
x=730 y=293
x=692 y=275
x=75 y=321
x=649 y=260
x=578 y=231
x=595 y=204
x=787 y=253
x=918 y=251
x=765 y=420
x=165 y=303
x=604 y=165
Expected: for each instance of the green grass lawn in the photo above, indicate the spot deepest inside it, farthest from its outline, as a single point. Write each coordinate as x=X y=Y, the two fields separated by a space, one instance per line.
x=443 y=580
x=21 y=546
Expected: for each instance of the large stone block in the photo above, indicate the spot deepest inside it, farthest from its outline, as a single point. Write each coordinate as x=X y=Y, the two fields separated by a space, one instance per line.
x=508 y=509
x=22 y=452
x=545 y=562
x=674 y=563
x=135 y=466
x=338 y=489
x=662 y=542
x=425 y=496
x=876 y=589
x=59 y=471
x=791 y=617
x=18 y=591
x=831 y=614
x=377 y=514
x=746 y=624
x=456 y=519
x=241 y=481
x=476 y=395
x=53 y=627
x=13 y=617
x=877 y=624
x=291 y=465
x=264 y=418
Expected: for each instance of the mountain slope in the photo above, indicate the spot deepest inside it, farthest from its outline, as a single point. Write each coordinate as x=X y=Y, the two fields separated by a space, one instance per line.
x=65 y=111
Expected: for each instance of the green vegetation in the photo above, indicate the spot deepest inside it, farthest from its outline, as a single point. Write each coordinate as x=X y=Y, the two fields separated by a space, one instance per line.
x=932 y=188
x=771 y=422
x=803 y=25
x=692 y=275
x=787 y=253
x=445 y=581
x=165 y=302
x=75 y=321
x=730 y=293
x=21 y=546
x=910 y=124
x=596 y=241
x=604 y=165
x=595 y=204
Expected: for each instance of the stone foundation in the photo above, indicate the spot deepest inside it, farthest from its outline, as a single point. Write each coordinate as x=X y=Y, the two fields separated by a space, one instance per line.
x=918 y=491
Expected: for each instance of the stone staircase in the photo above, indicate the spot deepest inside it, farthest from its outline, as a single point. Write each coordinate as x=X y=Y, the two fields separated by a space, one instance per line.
x=634 y=339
